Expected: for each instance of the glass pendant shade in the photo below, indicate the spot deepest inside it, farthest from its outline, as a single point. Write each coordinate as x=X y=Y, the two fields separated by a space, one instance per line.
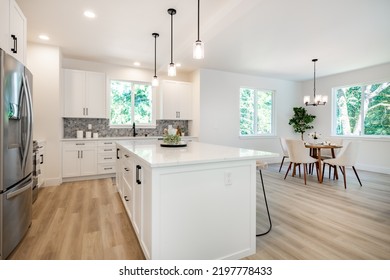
x=198 y=51
x=171 y=69
x=155 y=81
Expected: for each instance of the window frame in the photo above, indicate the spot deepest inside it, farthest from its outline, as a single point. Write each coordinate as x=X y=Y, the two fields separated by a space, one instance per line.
x=334 y=112
x=154 y=101
x=273 y=114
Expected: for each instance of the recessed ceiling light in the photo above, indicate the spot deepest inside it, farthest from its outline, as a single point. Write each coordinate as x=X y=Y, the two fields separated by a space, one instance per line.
x=89 y=14
x=44 y=37
x=137 y=63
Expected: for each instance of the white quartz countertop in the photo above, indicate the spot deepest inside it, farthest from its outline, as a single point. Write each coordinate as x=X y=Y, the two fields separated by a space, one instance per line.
x=194 y=153
x=119 y=138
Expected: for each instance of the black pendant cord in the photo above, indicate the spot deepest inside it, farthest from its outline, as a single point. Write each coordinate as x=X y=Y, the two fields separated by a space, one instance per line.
x=171 y=38
x=266 y=205
x=198 y=20
x=155 y=52
x=314 y=89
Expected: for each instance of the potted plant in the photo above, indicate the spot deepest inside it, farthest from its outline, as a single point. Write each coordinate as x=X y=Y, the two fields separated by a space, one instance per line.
x=301 y=120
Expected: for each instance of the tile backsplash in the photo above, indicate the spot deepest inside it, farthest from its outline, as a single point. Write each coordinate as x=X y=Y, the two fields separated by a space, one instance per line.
x=102 y=126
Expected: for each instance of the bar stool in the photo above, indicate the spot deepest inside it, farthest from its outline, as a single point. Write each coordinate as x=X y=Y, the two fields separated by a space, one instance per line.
x=259 y=166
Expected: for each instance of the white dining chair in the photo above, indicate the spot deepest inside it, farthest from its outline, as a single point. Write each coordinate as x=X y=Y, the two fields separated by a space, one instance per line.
x=284 y=150
x=298 y=154
x=327 y=153
x=346 y=157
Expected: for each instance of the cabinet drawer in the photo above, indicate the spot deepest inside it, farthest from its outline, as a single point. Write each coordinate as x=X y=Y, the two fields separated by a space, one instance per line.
x=79 y=145
x=106 y=168
x=107 y=158
x=106 y=144
x=128 y=199
x=128 y=173
x=102 y=150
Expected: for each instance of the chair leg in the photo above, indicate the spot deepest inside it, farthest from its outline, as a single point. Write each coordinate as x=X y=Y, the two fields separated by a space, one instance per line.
x=357 y=176
x=288 y=169
x=266 y=205
x=345 y=177
x=304 y=172
x=281 y=164
x=323 y=169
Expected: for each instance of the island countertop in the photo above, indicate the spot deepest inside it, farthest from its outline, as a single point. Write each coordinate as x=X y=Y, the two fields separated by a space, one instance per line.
x=194 y=153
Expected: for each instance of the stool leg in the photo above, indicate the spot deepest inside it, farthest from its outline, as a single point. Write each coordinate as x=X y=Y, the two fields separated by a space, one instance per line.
x=266 y=205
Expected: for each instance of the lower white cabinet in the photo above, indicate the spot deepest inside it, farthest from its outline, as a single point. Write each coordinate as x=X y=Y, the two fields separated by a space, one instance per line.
x=79 y=158
x=134 y=187
x=106 y=157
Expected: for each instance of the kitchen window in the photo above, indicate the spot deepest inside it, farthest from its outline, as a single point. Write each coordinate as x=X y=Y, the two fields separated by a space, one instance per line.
x=131 y=102
x=256 y=112
x=362 y=110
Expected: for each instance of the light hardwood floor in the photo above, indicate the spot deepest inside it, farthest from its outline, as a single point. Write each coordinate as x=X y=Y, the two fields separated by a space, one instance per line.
x=86 y=220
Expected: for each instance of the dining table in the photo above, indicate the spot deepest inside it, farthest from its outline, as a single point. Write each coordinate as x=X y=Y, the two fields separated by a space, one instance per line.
x=315 y=151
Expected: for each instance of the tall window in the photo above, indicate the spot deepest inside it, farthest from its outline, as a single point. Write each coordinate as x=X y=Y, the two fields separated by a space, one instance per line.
x=363 y=109
x=256 y=112
x=131 y=102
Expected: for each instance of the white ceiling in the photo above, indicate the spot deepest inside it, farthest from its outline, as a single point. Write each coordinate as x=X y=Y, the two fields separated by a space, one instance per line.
x=272 y=38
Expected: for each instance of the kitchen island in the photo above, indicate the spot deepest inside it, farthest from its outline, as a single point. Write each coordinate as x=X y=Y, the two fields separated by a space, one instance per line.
x=193 y=202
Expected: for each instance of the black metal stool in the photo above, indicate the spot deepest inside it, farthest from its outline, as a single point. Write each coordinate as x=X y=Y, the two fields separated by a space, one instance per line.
x=263 y=165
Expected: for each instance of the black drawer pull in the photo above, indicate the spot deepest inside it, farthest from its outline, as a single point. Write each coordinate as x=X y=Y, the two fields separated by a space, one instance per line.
x=138 y=168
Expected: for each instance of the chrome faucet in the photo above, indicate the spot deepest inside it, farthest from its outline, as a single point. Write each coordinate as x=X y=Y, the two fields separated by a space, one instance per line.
x=134 y=133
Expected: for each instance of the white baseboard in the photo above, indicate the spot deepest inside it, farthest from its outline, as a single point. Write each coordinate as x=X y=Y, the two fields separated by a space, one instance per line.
x=373 y=168
x=52 y=182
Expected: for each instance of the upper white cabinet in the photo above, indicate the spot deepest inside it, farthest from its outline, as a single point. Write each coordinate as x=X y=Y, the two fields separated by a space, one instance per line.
x=84 y=94
x=175 y=100
x=13 y=30
x=4 y=24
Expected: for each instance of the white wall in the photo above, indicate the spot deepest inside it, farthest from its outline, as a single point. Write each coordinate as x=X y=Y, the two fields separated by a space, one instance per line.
x=219 y=117
x=373 y=155
x=44 y=62
x=121 y=72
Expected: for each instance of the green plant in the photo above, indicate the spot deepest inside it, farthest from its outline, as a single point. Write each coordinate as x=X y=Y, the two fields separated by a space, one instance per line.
x=301 y=120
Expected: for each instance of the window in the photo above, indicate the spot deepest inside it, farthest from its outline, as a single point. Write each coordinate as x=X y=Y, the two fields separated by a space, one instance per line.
x=256 y=112
x=363 y=109
x=131 y=102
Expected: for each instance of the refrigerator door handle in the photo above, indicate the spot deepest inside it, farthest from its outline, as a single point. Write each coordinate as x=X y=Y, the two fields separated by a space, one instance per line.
x=19 y=191
x=27 y=93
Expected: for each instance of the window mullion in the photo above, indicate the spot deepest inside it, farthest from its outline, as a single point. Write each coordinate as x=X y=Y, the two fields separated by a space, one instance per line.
x=255 y=113
x=362 y=115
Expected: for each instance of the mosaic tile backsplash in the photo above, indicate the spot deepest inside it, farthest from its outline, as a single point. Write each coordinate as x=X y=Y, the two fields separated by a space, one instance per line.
x=102 y=126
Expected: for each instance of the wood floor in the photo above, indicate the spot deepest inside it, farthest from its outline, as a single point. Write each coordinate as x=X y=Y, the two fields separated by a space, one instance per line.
x=86 y=220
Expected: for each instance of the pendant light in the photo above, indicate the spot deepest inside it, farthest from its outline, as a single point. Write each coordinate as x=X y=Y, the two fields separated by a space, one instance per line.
x=171 y=66
x=198 y=50
x=318 y=99
x=155 y=80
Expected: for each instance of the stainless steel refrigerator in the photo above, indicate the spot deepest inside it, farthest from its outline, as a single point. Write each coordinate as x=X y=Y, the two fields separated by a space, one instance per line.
x=15 y=152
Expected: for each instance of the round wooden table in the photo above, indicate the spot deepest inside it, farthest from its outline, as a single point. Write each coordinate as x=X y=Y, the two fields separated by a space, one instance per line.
x=316 y=152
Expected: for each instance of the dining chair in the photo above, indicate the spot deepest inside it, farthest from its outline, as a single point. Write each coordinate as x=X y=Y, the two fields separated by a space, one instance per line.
x=299 y=155
x=346 y=157
x=327 y=153
x=284 y=150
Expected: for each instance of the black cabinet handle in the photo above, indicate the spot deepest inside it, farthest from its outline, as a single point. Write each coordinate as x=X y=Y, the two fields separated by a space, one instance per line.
x=41 y=159
x=117 y=153
x=15 y=48
x=138 y=168
x=126 y=198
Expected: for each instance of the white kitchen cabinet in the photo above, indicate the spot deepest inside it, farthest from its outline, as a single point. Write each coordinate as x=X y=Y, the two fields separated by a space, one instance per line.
x=4 y=24
x=106 y=157
x=175 y=100
x=84 y=94
x=18 y=32
x=79 y=158
x=13 y=30
x=136 y=197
